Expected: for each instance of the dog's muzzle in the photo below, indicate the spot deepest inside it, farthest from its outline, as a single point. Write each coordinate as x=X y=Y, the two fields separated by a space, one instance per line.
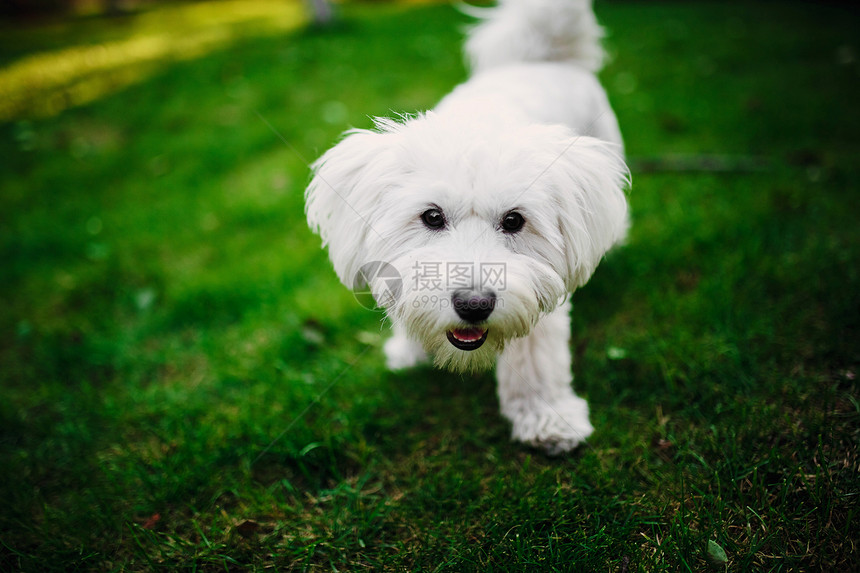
x=474 y=308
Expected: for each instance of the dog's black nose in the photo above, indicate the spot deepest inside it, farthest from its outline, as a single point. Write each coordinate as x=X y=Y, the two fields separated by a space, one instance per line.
x=473 y=307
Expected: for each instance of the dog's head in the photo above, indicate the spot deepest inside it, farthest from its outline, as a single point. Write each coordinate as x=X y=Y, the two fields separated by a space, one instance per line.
x=488 y=226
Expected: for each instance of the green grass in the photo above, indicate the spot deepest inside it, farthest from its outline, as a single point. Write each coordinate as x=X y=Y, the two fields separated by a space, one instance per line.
x=186 y=386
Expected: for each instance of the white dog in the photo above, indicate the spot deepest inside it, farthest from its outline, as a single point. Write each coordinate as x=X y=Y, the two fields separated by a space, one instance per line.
x=492 y=208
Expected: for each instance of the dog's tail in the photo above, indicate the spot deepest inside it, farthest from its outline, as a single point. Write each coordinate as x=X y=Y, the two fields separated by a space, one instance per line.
x=535 y=31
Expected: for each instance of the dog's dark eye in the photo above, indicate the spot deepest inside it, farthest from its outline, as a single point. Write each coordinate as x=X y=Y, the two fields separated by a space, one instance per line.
x=433 y=219
x=512 y=222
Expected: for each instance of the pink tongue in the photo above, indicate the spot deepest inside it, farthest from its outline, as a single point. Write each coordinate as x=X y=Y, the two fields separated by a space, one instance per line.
x=467 y=334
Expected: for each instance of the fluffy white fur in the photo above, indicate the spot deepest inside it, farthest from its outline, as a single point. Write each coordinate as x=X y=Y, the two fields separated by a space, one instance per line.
x=532 y=132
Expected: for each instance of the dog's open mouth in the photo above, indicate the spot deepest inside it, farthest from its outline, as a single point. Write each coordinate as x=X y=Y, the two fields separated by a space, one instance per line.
x=467 y=338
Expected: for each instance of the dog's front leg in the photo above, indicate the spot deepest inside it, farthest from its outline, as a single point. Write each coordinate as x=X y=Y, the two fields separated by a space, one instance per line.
x=401 y=351
x=535 y=392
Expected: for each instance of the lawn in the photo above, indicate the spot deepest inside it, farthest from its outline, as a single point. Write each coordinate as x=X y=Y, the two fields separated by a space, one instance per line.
x=186 y=385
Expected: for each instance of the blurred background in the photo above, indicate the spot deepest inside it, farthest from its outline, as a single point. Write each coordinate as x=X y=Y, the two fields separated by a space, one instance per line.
x=185 y=383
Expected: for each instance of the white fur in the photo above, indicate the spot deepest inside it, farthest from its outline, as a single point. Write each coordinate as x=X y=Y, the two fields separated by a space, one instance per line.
x=530 y=131
x=536 y=31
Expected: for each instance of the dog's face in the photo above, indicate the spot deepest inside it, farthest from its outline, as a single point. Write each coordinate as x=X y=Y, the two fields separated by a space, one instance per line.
x=488 y=226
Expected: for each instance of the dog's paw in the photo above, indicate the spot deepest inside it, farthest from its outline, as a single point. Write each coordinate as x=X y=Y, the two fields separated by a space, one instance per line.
x=555 y=428
x=400 y=353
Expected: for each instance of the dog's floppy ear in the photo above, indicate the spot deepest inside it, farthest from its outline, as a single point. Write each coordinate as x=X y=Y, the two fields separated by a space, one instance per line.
x=342 y=198
x=589 y=178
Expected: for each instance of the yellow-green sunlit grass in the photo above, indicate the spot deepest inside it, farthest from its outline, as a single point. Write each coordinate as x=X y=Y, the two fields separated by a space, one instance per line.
x=46 y=83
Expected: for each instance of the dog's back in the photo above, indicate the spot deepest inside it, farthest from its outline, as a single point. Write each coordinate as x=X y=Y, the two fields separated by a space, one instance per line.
x=535 y=61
